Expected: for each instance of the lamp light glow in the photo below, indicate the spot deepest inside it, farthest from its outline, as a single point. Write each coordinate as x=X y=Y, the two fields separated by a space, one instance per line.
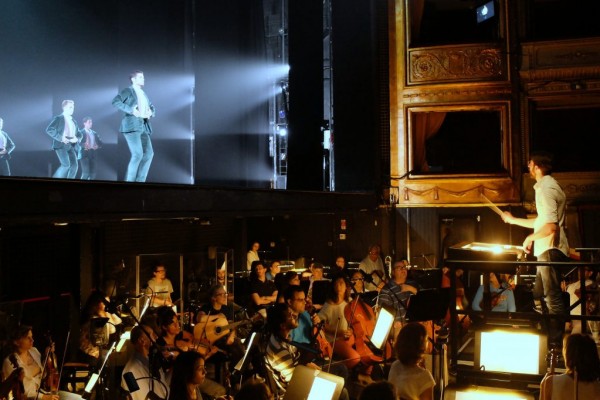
x=506 y=351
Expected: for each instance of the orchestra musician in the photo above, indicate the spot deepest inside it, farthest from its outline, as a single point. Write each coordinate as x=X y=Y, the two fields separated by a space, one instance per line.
x=217 y=306
x=502 y=296
x=27 y=357
x=396 y=293
x=263 y=292
x=173 y=342
x=582 y=378
x=317 y=275
x=252 y=255
x=338 y=330
x=407 y=373
x=96 y=326
x=149 y=376
x=372 y=263
x=281 y=356
x=160 y=287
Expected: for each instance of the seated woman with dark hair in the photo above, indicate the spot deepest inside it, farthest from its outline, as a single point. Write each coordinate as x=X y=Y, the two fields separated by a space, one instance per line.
x=97 y=326
x=254 y=389
x=502 y=296
x=412 y=381
x=23 y=355
x=582 y=379
x=189 y=373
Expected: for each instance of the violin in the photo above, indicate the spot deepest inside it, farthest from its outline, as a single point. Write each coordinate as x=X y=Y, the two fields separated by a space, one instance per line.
x=185 y=341
x=51 y=378
x=17 y=387
x=320 y=342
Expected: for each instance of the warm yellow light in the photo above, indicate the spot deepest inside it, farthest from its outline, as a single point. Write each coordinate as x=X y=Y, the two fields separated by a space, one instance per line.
x=492 y=394
x=515 y=352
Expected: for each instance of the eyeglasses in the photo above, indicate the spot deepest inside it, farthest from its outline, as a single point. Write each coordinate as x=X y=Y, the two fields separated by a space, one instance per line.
x=221 y=294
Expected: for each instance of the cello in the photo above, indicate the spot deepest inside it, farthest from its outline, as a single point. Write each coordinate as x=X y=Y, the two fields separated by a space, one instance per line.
x=361 y=319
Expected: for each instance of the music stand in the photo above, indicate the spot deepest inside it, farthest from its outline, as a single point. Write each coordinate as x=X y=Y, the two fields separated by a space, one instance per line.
x=432 y=305
x=428 y=305
x=319 y=291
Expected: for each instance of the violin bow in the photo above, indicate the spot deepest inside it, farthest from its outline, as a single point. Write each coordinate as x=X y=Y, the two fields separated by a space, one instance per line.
x=62 y=362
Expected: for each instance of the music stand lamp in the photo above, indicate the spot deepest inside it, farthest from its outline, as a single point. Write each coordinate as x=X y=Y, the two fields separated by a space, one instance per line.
x=313 y=384
x=89 y=387
x=383 y=326
x=242 y=364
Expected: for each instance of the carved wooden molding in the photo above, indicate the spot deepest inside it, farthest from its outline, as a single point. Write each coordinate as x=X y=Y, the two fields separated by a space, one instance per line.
x=458 y=93
x=455 y=64
x=445 y=192
x=561 y=60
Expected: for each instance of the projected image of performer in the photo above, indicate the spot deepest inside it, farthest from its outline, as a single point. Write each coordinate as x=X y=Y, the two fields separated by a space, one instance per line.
x=90 y=143
x=65 y=140
x=135 y=126
x=6 y=147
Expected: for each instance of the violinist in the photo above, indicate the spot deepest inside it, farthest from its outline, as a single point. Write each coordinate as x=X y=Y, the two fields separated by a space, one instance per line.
x=148 y=378
x=97 y=325
x=502 y=297
x=296 y=300
x=27 y=357
x=173 y=342
x=334 y=316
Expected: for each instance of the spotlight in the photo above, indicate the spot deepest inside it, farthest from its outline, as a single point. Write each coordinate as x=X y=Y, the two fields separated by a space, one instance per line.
x=282 y=130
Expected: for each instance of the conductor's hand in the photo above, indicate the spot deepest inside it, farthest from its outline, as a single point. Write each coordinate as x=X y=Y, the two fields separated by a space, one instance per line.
x=507 y=217
x=527 y=243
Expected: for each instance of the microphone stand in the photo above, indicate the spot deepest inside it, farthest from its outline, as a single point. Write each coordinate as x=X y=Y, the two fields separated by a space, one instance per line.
x=152 y=355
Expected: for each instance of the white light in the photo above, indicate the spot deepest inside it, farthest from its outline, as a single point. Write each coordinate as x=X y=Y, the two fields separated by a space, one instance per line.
x=322 y=389
x=384 y=323
x=91 y=383
x=282 y=131
x=503 y=351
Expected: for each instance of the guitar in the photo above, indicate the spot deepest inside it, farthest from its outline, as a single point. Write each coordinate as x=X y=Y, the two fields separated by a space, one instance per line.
x=214 y=327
